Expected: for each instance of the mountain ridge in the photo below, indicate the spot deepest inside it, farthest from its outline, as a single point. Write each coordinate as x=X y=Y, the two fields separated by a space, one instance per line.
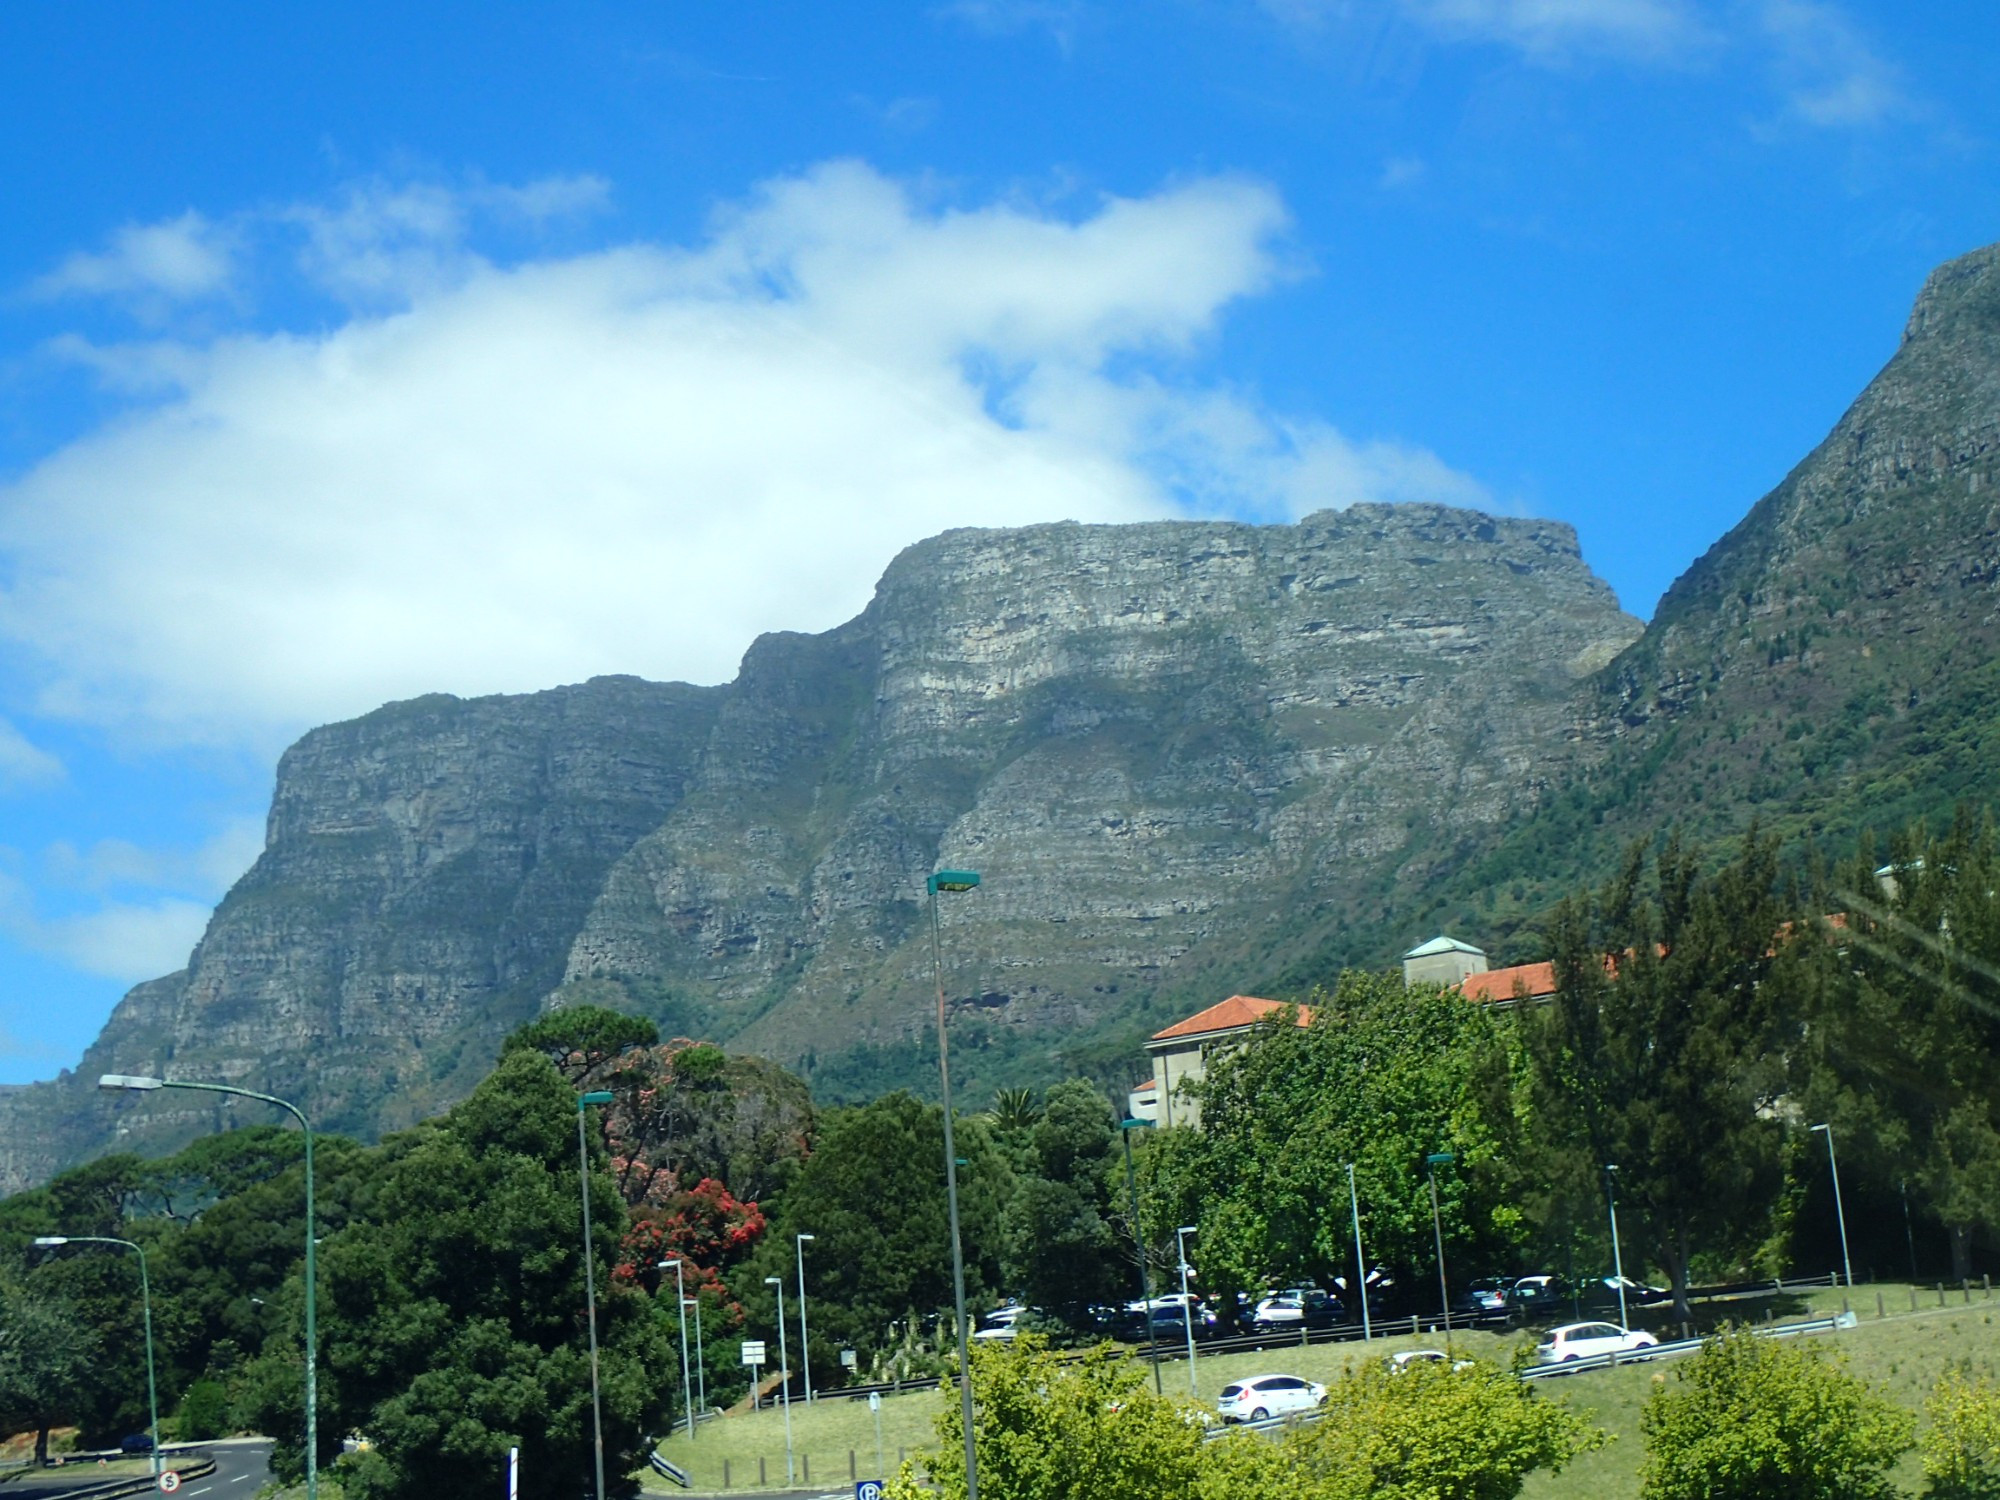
x=1188 y=756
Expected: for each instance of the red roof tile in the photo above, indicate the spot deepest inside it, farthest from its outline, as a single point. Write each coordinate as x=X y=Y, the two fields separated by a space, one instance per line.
x=1232 y=1014
x=1531 y=980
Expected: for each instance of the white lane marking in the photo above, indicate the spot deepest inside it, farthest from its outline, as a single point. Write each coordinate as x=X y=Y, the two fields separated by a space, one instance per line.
x=239 y=1478
x=203 y=1490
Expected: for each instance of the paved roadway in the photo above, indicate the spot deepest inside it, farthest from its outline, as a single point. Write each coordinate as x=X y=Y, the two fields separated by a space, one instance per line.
x=241 y=1465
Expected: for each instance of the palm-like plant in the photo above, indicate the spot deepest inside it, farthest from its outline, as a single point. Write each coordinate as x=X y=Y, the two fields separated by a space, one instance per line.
x=1015 y=1109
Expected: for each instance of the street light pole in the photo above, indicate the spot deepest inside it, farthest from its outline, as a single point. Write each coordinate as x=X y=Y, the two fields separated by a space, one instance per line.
x=598 y=1096
x=1125 y=1129
x=954 y=880
x=1431 y=1163
x=1187 y=1303
x=50 y=1242
x=143 y=1083
x=1360 y=1260
x=700 y=1358
x=805 y=1349
x=1617 y=1256
x=1840 y=1214
x=687 y=1385
x=784 y=1373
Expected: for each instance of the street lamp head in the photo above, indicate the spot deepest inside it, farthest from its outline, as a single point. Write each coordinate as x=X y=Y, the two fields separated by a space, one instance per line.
x=596 y=1096
x=1611 y=1166
x=1185 y=1229
x=1133 y=1122
x=667 y=1265
x=1818 y=1128
x=774 y=1281
x=953 y=880
x=805 y=1236
x=49 y=1241
x=129 y=1081
x=1441 y=1158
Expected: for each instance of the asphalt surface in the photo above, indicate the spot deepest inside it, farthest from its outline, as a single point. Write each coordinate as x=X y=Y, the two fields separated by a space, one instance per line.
x=241 y=1466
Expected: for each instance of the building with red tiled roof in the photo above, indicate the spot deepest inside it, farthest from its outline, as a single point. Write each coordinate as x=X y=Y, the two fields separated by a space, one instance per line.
x=1181 y=1051
x=1510 y=986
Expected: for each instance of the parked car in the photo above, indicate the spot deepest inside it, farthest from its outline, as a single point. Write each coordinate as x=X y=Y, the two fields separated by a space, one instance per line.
x=1582 y=1340
x=1000 y=1323
x=1534 y=1296
x=1264 y=1396
x=1288 y=1311
x=1382 y=1293
x=136 y=1442
x=1637 y=1293
x=1482 y=1300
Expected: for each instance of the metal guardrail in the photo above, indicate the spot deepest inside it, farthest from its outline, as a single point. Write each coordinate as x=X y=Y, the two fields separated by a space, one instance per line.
x=132 y=1484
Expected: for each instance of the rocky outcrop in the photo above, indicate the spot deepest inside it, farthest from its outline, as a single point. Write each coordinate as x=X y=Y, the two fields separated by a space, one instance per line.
x=1152 y=740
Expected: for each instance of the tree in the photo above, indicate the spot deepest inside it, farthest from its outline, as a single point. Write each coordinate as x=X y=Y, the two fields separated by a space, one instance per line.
x=1015 y=1109
x=578 y=1038
x=1045 y=1428
x=49 y=1371
x=1961 y=1442
x=453 y=1311
x=687 y=1111
x=1903 y=1052
x=1061 y=1251
x=1383 y=1077
x=1662 y=1052
x=1751 y=1418
x=872 y=1195
x=1428 y=1432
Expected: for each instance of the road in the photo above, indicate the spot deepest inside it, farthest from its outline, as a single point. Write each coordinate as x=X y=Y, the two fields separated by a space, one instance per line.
x=241 y=1465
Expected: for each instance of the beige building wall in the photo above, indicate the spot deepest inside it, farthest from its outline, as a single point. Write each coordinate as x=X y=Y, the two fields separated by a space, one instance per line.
x=1171 y=1068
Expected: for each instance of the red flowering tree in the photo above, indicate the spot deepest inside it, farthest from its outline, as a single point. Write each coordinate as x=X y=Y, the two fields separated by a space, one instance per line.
x=707 y=1228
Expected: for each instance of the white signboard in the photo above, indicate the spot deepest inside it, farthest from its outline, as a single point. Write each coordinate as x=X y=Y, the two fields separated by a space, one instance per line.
x=753 y=1351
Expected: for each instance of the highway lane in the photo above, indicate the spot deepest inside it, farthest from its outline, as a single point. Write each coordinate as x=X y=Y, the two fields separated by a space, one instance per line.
x=241 y=1467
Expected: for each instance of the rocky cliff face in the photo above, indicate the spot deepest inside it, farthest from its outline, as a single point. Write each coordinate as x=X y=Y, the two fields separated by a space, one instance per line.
x=1831 y=667
x=1152 y=741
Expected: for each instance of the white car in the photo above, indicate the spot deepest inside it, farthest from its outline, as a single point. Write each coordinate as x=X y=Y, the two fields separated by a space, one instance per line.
x=999 y=1324
x=1264 y=1396
x=1582 y=1340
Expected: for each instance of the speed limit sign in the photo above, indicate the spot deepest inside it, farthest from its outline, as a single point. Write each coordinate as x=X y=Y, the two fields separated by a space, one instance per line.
x=169 y=1481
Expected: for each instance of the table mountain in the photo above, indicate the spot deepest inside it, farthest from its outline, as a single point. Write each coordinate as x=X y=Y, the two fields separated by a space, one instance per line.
x=1189 y=758
x=1148 y=738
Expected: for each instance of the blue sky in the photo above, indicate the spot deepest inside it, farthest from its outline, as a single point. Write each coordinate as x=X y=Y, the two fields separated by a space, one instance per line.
x=353 y=352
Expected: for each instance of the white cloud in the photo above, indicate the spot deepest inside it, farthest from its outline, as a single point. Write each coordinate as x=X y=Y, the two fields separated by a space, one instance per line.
x=1641 y=28
x=119 y=910
x=386 y=243
x=1544 y=30
x=1830 y=75
x=635 y=460
x=209 y=868
x=125 y=940
x=152 y=265
x=23 y=764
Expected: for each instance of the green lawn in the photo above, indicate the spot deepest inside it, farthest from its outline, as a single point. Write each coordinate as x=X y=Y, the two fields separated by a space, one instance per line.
x=1903 y=1350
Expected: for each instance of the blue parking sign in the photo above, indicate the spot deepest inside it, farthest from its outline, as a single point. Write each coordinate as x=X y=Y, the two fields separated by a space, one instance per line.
x=868 y=1489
